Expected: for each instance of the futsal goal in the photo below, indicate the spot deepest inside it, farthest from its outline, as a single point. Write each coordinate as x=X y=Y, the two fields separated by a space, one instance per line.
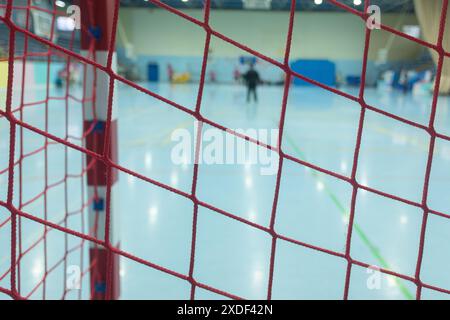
x=58 y=220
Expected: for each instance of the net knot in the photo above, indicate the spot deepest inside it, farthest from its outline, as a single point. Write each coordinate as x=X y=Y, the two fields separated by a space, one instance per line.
x=192 y=280
x=194 y=199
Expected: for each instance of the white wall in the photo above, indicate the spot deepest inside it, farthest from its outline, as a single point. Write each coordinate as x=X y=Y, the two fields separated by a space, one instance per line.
x=316 y=35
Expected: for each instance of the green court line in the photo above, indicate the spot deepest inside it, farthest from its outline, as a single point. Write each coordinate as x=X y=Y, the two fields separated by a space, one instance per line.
x=345 y=213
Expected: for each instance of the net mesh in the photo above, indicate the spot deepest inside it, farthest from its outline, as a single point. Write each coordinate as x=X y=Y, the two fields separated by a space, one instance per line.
x=16 y=209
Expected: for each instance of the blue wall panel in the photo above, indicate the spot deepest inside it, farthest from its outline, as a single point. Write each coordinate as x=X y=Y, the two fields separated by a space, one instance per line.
x=323 y=71
x=153 y=72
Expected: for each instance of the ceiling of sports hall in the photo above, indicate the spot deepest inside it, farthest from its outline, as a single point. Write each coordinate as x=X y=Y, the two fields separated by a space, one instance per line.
x=306 y=5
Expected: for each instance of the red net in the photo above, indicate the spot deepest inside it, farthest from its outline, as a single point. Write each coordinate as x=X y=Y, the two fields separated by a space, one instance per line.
x=16 y=209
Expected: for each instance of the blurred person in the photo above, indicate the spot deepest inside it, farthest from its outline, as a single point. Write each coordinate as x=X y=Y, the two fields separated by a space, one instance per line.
x=170 y=72
x=252 y=80
x=237 y=75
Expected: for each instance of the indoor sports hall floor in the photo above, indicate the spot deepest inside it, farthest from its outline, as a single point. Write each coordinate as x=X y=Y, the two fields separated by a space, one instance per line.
x=313 y=208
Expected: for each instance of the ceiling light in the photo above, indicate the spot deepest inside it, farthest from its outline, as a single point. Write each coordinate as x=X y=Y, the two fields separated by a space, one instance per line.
x=60 y=3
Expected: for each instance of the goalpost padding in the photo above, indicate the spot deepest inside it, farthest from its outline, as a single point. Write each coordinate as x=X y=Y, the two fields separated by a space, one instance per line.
x=99 y=23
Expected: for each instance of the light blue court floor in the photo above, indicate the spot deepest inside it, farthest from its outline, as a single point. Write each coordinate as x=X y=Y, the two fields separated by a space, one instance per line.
x=156 y=225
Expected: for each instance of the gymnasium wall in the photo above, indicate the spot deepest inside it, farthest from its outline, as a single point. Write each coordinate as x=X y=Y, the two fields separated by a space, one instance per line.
x=36 y=77
x=161 y=37
x=316 y=35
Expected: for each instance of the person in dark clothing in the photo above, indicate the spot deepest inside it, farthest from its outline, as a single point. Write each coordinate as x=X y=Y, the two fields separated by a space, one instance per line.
x=252 y=80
